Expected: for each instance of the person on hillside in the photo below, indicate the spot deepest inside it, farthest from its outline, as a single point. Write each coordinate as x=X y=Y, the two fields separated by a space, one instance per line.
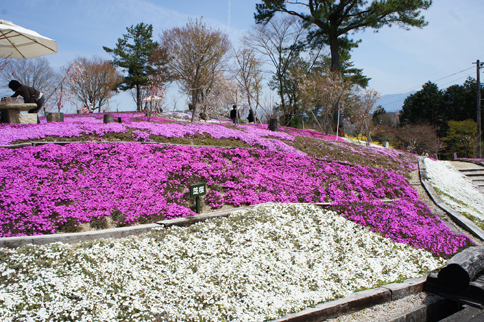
x=29 y=94
x=234 y=114
x=251 y=117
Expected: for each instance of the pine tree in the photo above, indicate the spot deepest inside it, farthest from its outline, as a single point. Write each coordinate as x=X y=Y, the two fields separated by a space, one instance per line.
x=132 y=54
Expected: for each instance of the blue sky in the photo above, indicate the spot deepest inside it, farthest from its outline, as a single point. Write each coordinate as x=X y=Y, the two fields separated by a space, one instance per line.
x=398 y=61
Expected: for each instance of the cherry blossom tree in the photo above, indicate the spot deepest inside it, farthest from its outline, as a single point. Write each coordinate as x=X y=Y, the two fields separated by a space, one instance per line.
x=61 y=96
x=361 y=112
x=220 y=96
x=152 y=94
x=324 y=95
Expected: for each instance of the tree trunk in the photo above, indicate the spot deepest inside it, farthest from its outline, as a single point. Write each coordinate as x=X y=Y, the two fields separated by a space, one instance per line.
x=272 y=125
x=334 y=47
x=194 y=104
x=281 y=94
x=138 y=98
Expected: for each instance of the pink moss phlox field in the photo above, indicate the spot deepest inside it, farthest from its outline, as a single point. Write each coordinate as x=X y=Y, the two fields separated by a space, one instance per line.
x=76 y=126
x=261 y=130
x=98 y=117
x=407 y=221
x=47 y=186
x=405 y=161
x=294 y=132
x=12 y=133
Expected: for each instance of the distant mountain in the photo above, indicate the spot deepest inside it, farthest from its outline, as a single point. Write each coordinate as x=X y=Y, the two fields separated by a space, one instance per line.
x=393 y=102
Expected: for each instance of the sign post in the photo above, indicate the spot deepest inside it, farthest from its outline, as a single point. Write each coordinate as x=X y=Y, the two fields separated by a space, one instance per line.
x=197 y=190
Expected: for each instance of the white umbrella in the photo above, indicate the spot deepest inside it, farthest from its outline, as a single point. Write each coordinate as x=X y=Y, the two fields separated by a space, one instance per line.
x=18 y=42
x=153 y=98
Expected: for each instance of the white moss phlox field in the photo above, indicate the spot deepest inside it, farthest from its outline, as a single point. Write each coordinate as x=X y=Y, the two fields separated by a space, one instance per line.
x=253 y=266
x=458 y=191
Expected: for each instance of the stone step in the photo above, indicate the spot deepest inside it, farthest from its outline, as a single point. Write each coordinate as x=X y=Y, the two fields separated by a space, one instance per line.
x=474 y=174
x=470 y=170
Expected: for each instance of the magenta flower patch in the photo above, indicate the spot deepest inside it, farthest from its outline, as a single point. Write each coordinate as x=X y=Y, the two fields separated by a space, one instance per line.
x=48 y=186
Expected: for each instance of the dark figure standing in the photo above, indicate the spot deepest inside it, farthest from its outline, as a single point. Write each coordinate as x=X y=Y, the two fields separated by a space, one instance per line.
x=30 y=95
x=234 y=115
x=251 y=117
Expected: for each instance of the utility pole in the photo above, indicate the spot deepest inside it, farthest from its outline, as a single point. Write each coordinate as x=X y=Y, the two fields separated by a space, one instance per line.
x=478 y=65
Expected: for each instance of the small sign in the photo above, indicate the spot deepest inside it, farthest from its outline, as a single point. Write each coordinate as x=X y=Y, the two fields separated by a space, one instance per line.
x=198 y=189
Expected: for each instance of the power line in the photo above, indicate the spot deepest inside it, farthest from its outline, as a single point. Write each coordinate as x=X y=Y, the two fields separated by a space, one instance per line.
x=454 y=74
x=399 y=100
x=429 y=77
x=456 y=79
x=433 y=81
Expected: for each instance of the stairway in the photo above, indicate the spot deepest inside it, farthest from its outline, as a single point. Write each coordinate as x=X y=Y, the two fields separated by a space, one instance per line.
x=472 y=171
x=476 y=175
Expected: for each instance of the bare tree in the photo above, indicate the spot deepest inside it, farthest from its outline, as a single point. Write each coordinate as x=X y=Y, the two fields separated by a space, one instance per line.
x=197 y=53
x=34 y=72
x=420 y=139
x=280 y=41
x=248 y=75
x=93 y=81
x=3 y=63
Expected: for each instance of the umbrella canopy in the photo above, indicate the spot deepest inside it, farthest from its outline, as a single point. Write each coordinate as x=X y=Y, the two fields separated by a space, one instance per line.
x=18 y=42
x=153 y=98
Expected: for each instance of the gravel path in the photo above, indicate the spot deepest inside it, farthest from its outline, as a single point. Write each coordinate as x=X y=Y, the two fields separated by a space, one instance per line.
x=388 y=311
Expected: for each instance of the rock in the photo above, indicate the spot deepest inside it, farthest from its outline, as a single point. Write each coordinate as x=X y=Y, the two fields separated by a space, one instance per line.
x=30 y=118
x=55 y=117
x=204 y=116
x=108 y=118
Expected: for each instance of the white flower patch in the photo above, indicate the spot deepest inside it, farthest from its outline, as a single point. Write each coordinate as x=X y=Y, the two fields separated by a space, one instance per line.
x=253 y=266
x=458 y=191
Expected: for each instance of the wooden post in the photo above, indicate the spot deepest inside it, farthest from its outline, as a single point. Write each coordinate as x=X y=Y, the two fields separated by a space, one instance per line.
x=478 y=66
x=197 y=201
x=461 y=269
